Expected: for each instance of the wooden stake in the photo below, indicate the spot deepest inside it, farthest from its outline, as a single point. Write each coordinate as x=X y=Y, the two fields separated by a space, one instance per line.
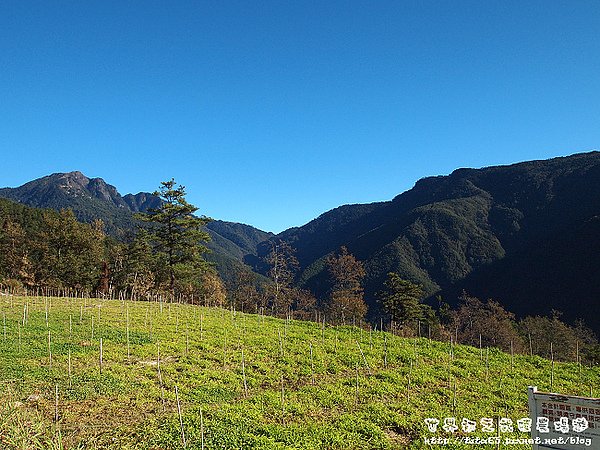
x=364 y=359
x=415 y=350
x=244 y=374
x=201 y=325
x=224 y=348
x=312 y=366
x=512 y=356
x=552 y=368
x=127 y=325
x=280 y=344
x=282 y=402
x=408 y=384
x=101 y=355
x=187 y=341
x=70 y=379
x=162 y=391
x=454 y=396
x=201 y=429
x=56 y=404
x=49 y=349
x=487 y=363
x=356 y=369
x=336 y=342
x=577 y=357
x=385 y=351
x=180 y=417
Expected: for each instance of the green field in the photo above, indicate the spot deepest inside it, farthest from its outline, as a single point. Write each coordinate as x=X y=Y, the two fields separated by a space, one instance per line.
x=243 y=380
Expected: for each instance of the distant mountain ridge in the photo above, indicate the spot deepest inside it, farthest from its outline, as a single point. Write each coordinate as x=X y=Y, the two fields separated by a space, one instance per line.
x=60 y=189
x=93 y=198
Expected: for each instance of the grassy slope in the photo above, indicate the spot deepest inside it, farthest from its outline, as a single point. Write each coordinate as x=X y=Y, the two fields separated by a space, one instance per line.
x=125 y=407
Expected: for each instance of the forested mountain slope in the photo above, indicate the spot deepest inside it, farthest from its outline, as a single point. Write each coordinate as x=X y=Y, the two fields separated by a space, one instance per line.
x=526 y=234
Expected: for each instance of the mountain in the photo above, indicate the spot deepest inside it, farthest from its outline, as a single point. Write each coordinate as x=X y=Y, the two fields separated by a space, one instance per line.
x=141 y=202
x=93 y=198
x=90 y=199
x=527 y=235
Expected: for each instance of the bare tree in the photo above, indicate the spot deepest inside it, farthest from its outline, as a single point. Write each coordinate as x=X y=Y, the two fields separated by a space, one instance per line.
x=284 y=265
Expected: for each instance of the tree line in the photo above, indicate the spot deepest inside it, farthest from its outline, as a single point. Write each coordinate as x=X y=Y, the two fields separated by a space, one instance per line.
x=51 y=250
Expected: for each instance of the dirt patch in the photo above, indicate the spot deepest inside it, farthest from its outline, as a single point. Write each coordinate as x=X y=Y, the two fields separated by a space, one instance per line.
x=154 y=362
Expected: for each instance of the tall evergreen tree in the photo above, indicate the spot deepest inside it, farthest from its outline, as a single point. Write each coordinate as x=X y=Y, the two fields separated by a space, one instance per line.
x=401 y=299
x=177 y=233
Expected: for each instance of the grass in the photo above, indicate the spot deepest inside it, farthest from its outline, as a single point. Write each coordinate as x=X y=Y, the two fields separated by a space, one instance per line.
x=354 y=402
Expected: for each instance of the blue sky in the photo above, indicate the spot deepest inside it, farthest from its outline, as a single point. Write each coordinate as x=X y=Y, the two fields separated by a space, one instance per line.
x=274 y=112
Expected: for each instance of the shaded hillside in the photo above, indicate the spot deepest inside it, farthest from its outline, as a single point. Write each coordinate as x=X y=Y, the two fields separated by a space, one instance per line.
x=490 y=230
x=231 y=244
x=93 y=198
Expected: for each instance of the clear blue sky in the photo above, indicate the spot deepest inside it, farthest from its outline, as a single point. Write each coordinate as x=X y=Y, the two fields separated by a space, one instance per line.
x=274 y=112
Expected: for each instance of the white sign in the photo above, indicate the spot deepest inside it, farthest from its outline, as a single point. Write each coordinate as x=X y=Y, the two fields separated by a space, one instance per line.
x=563 y=422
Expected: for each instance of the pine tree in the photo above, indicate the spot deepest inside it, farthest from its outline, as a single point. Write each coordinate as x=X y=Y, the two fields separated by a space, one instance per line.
x=401 y=299
x=177 y=234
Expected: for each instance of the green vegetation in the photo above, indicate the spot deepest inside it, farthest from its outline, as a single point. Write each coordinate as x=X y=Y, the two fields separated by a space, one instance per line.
x=243 y=381
x=346 y=295
x=401 y=299
x=93 y=199
x=177 y=237
x=525 y=235
x=48 y=248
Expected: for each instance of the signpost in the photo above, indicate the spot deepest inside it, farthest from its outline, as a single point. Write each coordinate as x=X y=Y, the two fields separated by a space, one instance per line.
x=563 y=422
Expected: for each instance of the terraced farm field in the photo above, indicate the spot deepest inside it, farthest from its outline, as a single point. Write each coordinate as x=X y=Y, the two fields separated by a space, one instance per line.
x=106 y=374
